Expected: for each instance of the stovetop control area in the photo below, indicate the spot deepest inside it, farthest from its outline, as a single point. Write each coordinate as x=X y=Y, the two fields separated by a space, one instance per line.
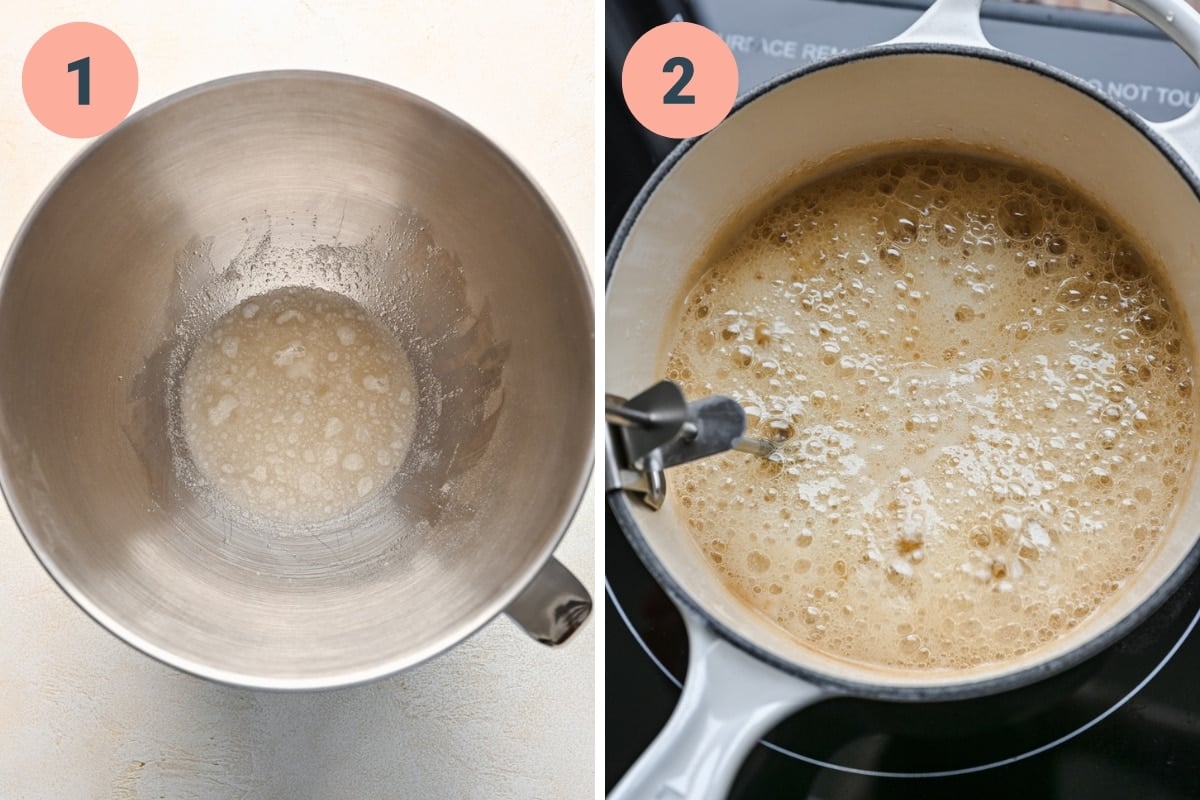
x=1120 y=55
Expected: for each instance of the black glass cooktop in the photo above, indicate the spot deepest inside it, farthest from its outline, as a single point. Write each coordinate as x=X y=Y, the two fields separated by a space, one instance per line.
x=1125 y=724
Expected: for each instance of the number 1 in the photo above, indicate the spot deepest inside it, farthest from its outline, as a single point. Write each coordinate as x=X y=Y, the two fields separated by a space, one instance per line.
x=84 y=67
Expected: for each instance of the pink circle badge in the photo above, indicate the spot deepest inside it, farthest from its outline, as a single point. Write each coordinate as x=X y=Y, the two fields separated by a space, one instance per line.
x=80 y=80
x=680 y=80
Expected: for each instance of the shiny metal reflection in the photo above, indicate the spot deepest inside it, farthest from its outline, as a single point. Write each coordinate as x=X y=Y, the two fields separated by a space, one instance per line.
x=231 y=189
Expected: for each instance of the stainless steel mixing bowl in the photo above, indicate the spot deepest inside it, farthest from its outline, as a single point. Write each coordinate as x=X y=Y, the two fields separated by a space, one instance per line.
x=231 y=189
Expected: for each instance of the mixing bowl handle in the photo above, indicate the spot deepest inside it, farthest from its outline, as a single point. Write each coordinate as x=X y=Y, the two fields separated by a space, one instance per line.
x=553 y=606
x=957 y=22
x=729 y=700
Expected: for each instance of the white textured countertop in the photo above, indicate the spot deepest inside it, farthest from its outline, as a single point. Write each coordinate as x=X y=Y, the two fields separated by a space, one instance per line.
x=84 y=716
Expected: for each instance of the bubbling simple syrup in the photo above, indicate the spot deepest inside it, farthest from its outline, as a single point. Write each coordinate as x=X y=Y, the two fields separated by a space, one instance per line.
x=983 y=399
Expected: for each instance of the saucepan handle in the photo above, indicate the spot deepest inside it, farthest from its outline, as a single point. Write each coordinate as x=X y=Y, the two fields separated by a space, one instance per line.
x=553 y=606
x=729 y=700
x=957 y=22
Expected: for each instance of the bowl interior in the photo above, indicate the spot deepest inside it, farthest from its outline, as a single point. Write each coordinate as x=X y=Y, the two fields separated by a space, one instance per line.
x=230 y=190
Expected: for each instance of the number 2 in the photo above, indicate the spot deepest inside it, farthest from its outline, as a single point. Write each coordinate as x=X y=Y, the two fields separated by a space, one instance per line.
x=687 y=70
x=84 y=67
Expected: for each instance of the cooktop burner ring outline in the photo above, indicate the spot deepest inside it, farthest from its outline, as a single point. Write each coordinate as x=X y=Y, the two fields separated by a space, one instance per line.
x=870 y=773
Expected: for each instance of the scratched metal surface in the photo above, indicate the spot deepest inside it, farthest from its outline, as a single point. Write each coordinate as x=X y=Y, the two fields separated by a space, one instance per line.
x=84 y=716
